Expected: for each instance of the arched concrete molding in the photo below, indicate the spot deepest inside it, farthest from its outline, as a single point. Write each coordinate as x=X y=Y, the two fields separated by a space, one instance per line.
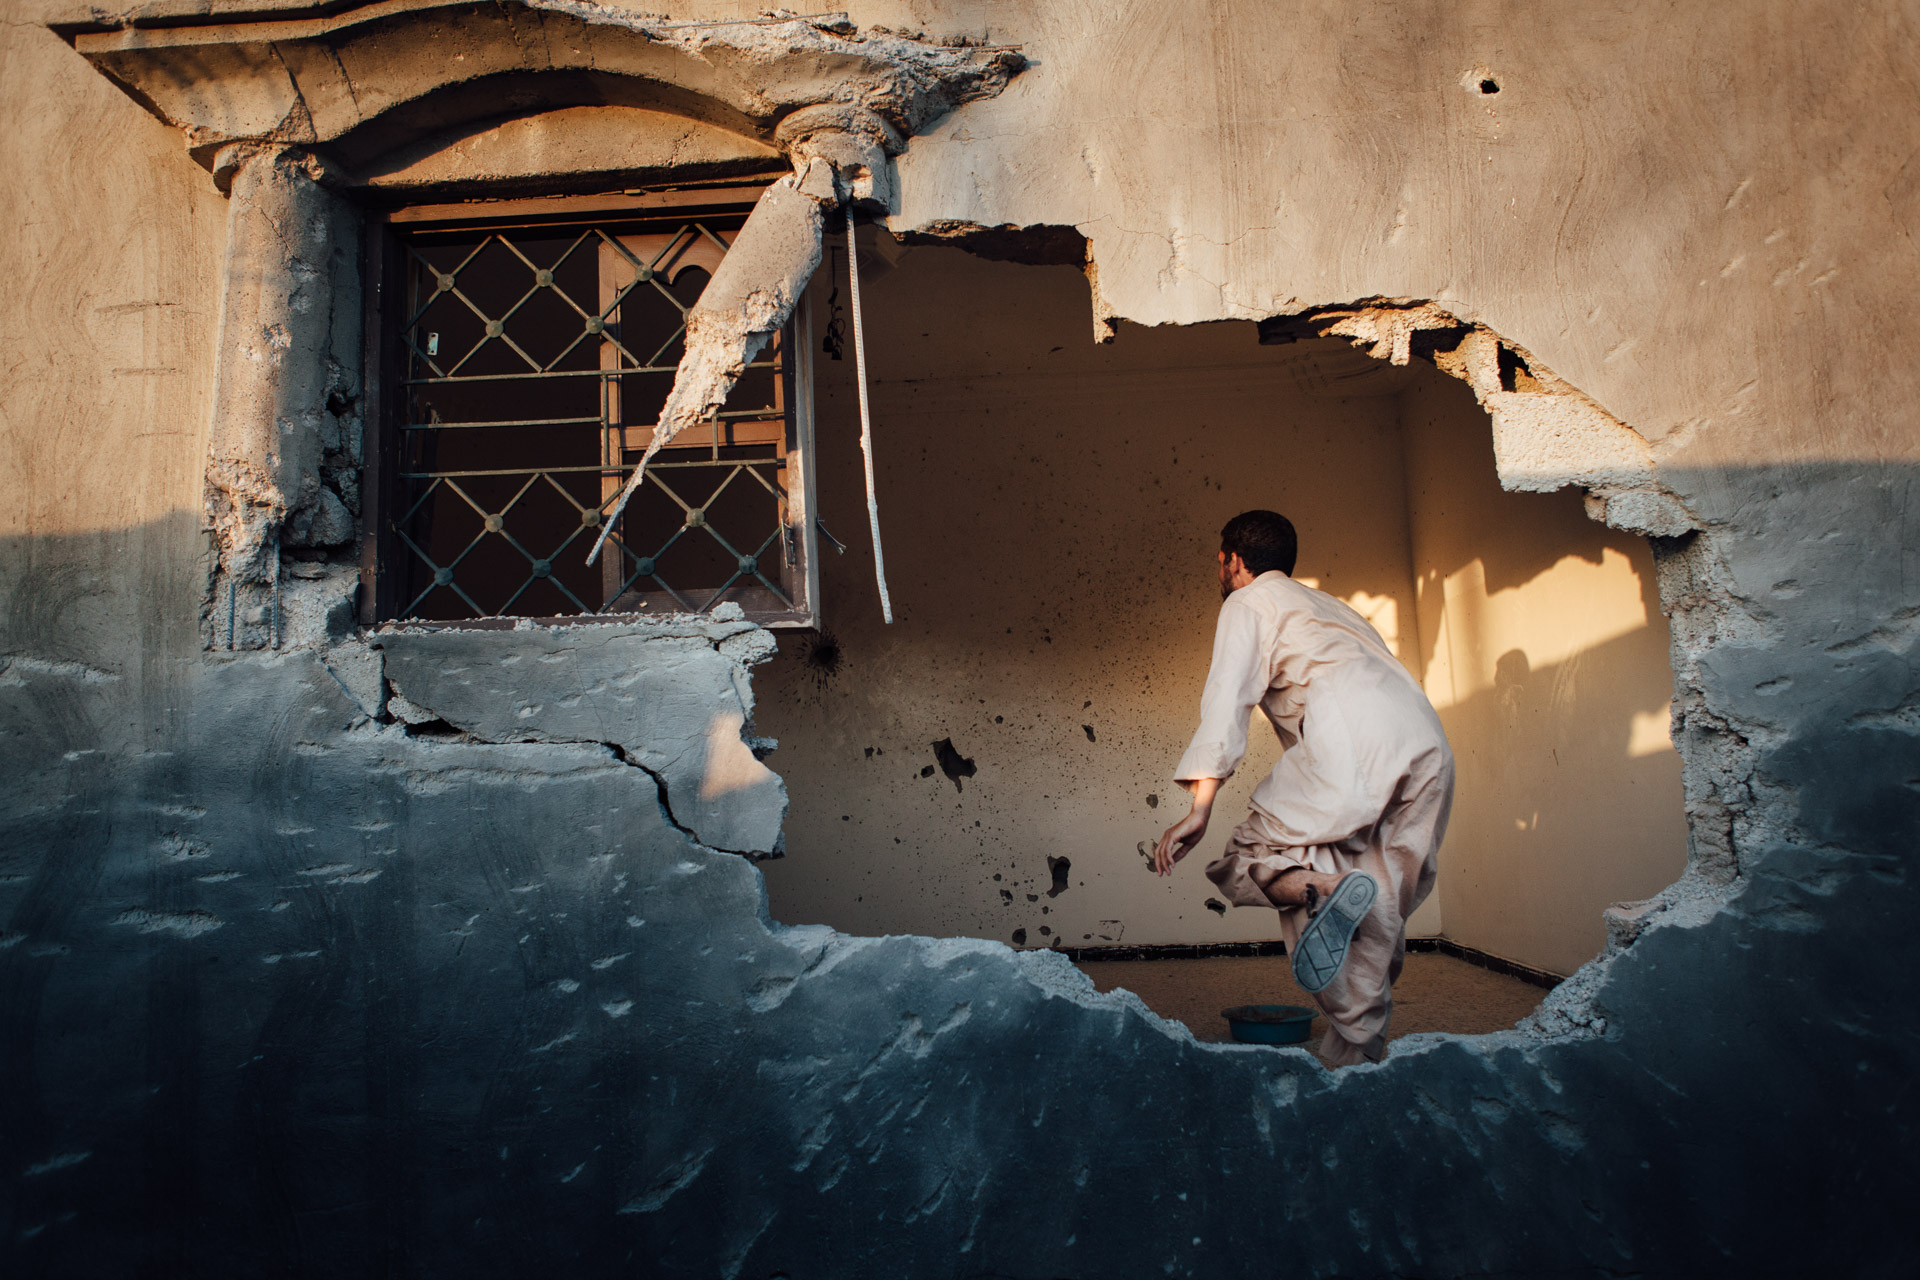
x=294 y=109
x=358 y=81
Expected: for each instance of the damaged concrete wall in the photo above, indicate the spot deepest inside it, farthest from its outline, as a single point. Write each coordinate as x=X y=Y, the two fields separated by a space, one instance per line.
x=284 y=458
x=1700 y=217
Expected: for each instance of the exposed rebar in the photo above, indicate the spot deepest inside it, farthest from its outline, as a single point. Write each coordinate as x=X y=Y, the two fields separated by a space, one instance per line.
x=866 y=422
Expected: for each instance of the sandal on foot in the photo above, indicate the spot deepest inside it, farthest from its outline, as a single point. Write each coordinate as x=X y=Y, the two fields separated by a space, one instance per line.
x=1324 y=943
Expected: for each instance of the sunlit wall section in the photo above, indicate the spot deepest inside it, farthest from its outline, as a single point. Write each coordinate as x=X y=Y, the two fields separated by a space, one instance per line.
x=1545 y=651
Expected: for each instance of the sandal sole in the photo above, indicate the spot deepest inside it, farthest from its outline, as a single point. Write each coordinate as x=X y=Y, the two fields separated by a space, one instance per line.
x=1324 y=943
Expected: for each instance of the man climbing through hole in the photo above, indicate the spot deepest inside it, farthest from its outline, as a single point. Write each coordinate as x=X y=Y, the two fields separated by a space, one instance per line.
x=1344 y=834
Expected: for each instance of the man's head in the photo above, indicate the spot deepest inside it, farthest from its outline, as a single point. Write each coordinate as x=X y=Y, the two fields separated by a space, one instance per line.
x=1254 y=542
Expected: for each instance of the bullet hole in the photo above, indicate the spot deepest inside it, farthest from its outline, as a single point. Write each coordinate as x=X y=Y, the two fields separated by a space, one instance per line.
x=869 y=753
x=1033 y=897
x=846 y=817
x=821 y=654
x=927 y=772
x=1046 y=931
x=1058 y=868
x=1153 y=802
x=1489 y=87
x=1216 y=906
x=996 y=875
x=999 y=719
x=1086 y=704
x=1046 y=911
x=1088 y=730
x=952 y=763
x=1019 y=937
x=339 y=405
x=1006 y=895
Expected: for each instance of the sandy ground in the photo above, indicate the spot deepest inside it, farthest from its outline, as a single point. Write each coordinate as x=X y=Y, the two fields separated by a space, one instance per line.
x=1435 y=992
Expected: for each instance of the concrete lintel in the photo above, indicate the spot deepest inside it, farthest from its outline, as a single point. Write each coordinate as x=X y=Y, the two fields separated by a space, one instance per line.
x=324 y=75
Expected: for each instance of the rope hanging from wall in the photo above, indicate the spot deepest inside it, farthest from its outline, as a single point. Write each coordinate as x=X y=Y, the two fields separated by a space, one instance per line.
x=866 y=423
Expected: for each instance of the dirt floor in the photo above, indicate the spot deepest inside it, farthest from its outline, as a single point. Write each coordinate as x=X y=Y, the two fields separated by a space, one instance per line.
x=1435 y=992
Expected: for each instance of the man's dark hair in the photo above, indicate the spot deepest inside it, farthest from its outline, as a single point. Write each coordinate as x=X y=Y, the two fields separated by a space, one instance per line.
x=1263 y=540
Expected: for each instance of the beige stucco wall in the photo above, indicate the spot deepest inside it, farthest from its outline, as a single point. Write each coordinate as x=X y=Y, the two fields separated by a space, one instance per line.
x=1050 y=509
x=1544 y=649
x=113 y=264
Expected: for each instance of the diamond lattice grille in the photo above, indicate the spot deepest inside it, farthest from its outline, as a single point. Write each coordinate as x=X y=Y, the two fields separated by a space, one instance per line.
x=537 y=360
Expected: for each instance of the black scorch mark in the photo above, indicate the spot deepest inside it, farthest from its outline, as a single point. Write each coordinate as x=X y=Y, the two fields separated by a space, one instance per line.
x=1058 y=868
x=1216 y=906
x=821 y=653
x=952 y=763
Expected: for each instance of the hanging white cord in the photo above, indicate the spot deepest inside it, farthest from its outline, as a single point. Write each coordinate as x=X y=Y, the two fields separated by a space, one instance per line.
x=866 y=424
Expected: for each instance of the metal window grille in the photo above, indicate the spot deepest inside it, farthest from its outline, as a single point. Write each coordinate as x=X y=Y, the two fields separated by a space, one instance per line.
x=534 y=362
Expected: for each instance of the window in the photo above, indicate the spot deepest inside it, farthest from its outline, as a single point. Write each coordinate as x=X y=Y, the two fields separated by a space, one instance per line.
x=527 y=348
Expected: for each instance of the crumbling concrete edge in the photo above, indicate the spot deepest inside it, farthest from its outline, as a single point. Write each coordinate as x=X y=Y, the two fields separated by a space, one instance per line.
x=744 y=644
x=1548 y=435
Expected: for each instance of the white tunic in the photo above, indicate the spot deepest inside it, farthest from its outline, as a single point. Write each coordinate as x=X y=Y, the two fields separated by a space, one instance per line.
x=1353 y=721
x=1366 y=783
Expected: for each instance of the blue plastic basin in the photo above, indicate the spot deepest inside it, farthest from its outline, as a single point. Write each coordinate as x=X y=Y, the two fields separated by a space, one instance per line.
x=1269 y=1023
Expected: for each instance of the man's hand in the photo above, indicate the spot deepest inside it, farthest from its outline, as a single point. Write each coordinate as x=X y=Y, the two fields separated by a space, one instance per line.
x=1179 y=839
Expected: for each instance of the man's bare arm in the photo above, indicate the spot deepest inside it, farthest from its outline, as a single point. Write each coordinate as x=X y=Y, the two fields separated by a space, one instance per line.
x=1179 y=839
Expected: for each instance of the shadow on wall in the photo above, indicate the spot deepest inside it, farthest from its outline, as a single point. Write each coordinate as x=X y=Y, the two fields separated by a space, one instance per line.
x=1051 y=510
x=1543 y=646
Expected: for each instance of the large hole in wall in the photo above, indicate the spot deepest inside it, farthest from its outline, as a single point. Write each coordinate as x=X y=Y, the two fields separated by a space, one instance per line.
x=991 y=764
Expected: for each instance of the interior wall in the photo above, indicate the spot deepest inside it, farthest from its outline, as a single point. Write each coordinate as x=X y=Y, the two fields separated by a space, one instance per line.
x=1546 y=654
x=1050 y=511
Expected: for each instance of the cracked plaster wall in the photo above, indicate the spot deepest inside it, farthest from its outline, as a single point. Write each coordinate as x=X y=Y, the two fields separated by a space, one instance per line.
x=1709 y=237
